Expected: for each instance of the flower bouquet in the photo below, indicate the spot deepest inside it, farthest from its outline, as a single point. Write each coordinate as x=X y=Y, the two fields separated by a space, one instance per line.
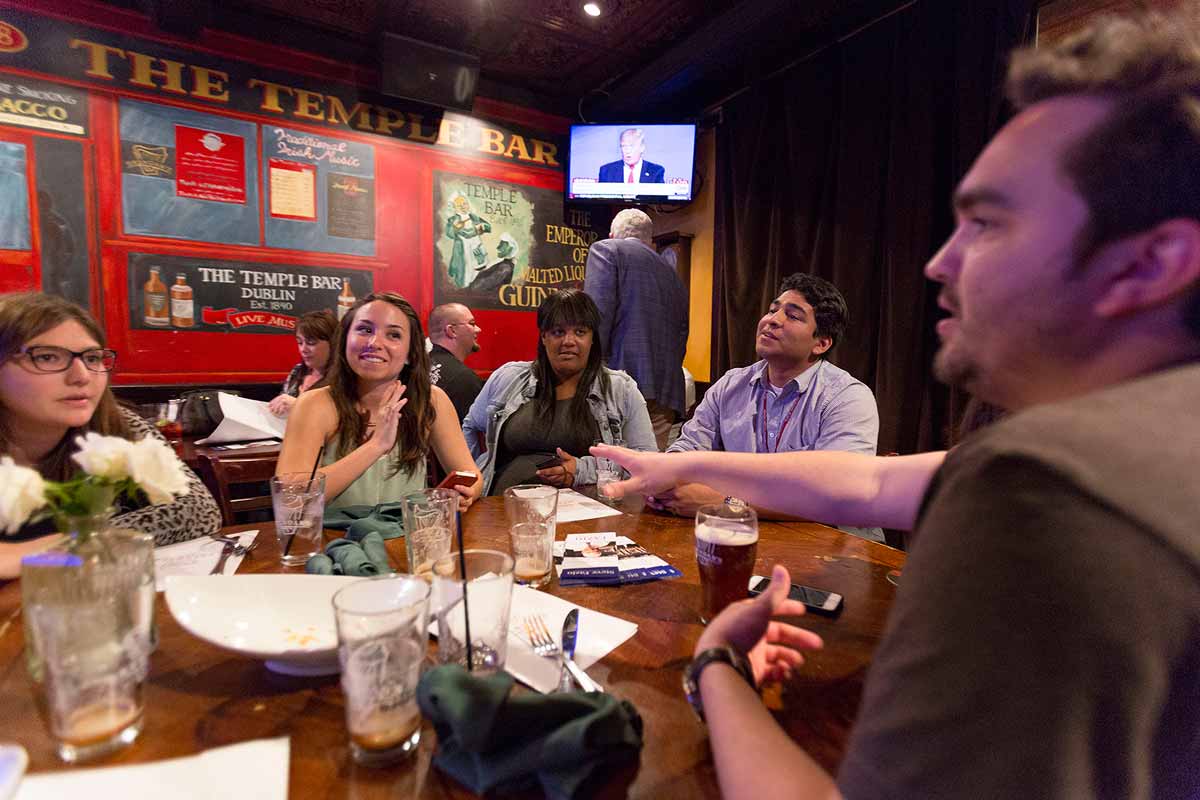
x=98 y=564
x=111 y=467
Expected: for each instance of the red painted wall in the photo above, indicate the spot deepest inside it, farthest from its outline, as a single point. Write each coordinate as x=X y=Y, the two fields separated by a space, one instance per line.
x=404 y=259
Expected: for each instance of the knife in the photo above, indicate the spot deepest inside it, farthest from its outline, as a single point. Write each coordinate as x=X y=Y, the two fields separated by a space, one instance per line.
x=570 y=633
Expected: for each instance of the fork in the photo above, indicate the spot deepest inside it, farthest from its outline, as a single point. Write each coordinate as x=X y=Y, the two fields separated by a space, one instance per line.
x=540 y=637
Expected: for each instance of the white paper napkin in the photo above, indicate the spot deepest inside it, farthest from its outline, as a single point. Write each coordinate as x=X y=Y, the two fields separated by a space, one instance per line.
x=257 y=769
x=599 y=635
x=195 y=557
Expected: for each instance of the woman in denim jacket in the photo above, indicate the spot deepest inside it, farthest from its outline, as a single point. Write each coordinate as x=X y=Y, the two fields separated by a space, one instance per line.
x=534 y=420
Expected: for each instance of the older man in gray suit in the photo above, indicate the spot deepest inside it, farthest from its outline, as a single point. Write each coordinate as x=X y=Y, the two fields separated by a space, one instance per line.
x=644 y=315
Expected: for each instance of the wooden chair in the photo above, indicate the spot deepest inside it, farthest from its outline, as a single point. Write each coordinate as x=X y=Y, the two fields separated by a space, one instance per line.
x=249 y=472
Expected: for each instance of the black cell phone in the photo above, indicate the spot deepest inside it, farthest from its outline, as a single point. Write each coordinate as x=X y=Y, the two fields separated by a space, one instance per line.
x=552 y=461
x=818 y=601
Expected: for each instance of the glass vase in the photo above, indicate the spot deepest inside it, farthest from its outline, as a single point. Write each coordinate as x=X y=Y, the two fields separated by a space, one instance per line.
x=96 y=561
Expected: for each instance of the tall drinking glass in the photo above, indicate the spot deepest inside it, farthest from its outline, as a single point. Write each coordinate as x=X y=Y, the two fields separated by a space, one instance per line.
x=726 y=548
x=95 y=659
x=299 y=504
x=488 y=583
x=531 y=502
x=382 y=626
x=533 y=553
x=430 y=527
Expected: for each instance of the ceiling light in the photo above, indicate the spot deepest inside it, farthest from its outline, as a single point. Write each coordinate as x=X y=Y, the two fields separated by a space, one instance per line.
x=591 y=9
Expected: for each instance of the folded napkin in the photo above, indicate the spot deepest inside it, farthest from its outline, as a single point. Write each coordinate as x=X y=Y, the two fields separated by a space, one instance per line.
x=489 y=739
x=362 y=558
x=386 y=519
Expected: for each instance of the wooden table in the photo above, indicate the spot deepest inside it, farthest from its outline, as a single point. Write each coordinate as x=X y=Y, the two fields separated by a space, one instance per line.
x=198 y=696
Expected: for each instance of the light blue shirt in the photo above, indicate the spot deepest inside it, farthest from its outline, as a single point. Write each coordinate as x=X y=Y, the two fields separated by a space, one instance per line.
x=822 y=408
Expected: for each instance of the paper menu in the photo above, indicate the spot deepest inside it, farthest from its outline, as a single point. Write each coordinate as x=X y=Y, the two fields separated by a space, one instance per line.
x=196 y=557
x=244 y=419
x=575 y=507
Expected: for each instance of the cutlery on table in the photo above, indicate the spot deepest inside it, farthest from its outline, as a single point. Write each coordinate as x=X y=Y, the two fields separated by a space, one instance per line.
x=570 y=633
x=226 y=552
x=540 y=637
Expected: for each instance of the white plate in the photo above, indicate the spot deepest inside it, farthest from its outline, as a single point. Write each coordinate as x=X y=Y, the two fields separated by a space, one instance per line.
x=286 y=620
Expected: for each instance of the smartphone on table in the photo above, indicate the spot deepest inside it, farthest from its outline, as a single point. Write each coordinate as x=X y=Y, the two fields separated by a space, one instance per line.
x=818 y=601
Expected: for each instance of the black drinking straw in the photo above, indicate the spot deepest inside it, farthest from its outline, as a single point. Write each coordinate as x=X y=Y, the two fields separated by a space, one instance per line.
x=307 y=489
x=462 y=565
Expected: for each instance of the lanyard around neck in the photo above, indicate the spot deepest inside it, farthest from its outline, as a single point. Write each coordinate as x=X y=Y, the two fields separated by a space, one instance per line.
x=766 y=446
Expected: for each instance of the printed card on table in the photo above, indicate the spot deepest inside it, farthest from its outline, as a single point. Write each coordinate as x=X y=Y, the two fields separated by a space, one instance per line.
x=606 y=559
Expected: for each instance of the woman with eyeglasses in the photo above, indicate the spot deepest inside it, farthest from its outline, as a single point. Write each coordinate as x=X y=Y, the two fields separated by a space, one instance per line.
x=535 y=420
x=54 y=387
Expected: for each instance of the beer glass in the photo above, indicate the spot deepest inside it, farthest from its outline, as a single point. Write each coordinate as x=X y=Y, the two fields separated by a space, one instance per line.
x=382 y=626
x=533 y=553
x=531 y=502
x=430 y=527
x=298 y=500
x=726 y=547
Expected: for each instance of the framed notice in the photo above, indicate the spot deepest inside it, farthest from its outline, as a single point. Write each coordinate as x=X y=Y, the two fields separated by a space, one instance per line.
x=293 y=189
x=351 y=206
x=210 y=165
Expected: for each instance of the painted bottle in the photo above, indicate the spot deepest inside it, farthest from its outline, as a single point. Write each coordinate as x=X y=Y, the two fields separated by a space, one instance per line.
x=346 y=299
x=154 y=293
x=183 y=304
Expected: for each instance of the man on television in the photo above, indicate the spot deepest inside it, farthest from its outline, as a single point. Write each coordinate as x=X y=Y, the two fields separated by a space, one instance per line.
x=632 y=168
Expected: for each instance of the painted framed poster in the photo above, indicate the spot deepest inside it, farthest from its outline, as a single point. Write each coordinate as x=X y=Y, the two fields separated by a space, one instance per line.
x=502 y=245
x=188 y=175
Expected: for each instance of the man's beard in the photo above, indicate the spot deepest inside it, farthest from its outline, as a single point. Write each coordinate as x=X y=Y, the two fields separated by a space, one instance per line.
x=953 y=368
x=475 y=347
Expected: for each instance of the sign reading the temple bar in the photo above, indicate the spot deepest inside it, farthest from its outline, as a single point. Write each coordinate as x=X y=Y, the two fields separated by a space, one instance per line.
x=502 y=245
x=199 y=294
x=115 y=60
x=47 y=106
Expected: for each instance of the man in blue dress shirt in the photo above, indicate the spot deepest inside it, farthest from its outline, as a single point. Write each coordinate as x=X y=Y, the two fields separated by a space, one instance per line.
x=792 y=399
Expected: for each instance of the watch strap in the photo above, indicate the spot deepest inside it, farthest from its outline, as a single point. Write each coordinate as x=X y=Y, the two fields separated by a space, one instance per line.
x=725 y=655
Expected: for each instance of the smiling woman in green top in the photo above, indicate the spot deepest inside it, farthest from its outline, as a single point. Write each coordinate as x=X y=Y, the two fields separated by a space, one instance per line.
x=378 y=416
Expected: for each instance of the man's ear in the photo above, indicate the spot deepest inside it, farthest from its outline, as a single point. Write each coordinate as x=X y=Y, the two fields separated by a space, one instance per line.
x=1151 y=268
x=823 y=344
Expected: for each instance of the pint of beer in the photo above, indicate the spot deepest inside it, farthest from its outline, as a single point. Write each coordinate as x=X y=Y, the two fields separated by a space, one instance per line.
x=726 y=547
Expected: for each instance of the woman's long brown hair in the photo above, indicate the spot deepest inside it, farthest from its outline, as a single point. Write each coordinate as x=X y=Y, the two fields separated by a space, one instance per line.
x=416 y=419
x=29 y=314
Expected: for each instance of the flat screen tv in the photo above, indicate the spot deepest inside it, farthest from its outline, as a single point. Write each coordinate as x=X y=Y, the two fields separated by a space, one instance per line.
x=631 y=163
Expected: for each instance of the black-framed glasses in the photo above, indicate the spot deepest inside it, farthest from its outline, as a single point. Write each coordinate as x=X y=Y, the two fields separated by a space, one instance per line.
x=48 y=358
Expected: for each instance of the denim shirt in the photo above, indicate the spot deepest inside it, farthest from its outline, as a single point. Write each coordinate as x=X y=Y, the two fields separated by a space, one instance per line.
x=621 y=417
x=826 y=408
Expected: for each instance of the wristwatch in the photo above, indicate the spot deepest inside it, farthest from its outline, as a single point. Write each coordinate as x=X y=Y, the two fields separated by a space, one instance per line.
x=691 y=676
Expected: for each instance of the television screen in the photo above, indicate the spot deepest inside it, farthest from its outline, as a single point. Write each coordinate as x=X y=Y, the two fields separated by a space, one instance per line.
x=640 y=163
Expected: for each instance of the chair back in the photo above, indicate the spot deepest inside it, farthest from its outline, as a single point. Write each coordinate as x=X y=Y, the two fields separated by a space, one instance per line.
x=251 y=473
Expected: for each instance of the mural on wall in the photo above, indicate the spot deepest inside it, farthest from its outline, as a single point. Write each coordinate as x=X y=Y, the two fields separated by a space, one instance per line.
x=500 y=245
x=187 y=175
x=14 y=198
x=207 y=294
x=320 y=192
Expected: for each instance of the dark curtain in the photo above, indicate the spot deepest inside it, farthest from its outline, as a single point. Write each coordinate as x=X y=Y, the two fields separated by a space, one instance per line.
x=843 y=166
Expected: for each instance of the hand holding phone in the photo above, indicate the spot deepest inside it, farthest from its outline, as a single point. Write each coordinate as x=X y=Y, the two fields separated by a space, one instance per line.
x=552 y=461
x=817 y=601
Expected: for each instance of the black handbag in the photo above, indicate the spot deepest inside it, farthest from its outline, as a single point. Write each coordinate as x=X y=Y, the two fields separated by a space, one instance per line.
x=201 y=412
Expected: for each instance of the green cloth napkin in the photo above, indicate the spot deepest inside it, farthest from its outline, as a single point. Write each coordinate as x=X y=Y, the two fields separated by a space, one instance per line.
x=386 y=519
x=568 y=742
x=362 y=558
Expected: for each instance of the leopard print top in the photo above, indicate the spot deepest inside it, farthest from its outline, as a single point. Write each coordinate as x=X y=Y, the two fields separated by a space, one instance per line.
x=190 y=516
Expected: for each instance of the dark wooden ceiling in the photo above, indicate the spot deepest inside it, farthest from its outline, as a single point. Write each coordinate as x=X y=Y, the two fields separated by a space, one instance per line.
x=642 y=58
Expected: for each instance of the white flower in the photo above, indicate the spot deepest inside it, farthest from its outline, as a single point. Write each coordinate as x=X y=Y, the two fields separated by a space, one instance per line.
x=154 y=467
x=22 y=491
x=104 y=456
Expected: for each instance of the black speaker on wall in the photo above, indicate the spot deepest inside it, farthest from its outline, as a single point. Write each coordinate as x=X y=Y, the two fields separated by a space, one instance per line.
x=429 y=74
